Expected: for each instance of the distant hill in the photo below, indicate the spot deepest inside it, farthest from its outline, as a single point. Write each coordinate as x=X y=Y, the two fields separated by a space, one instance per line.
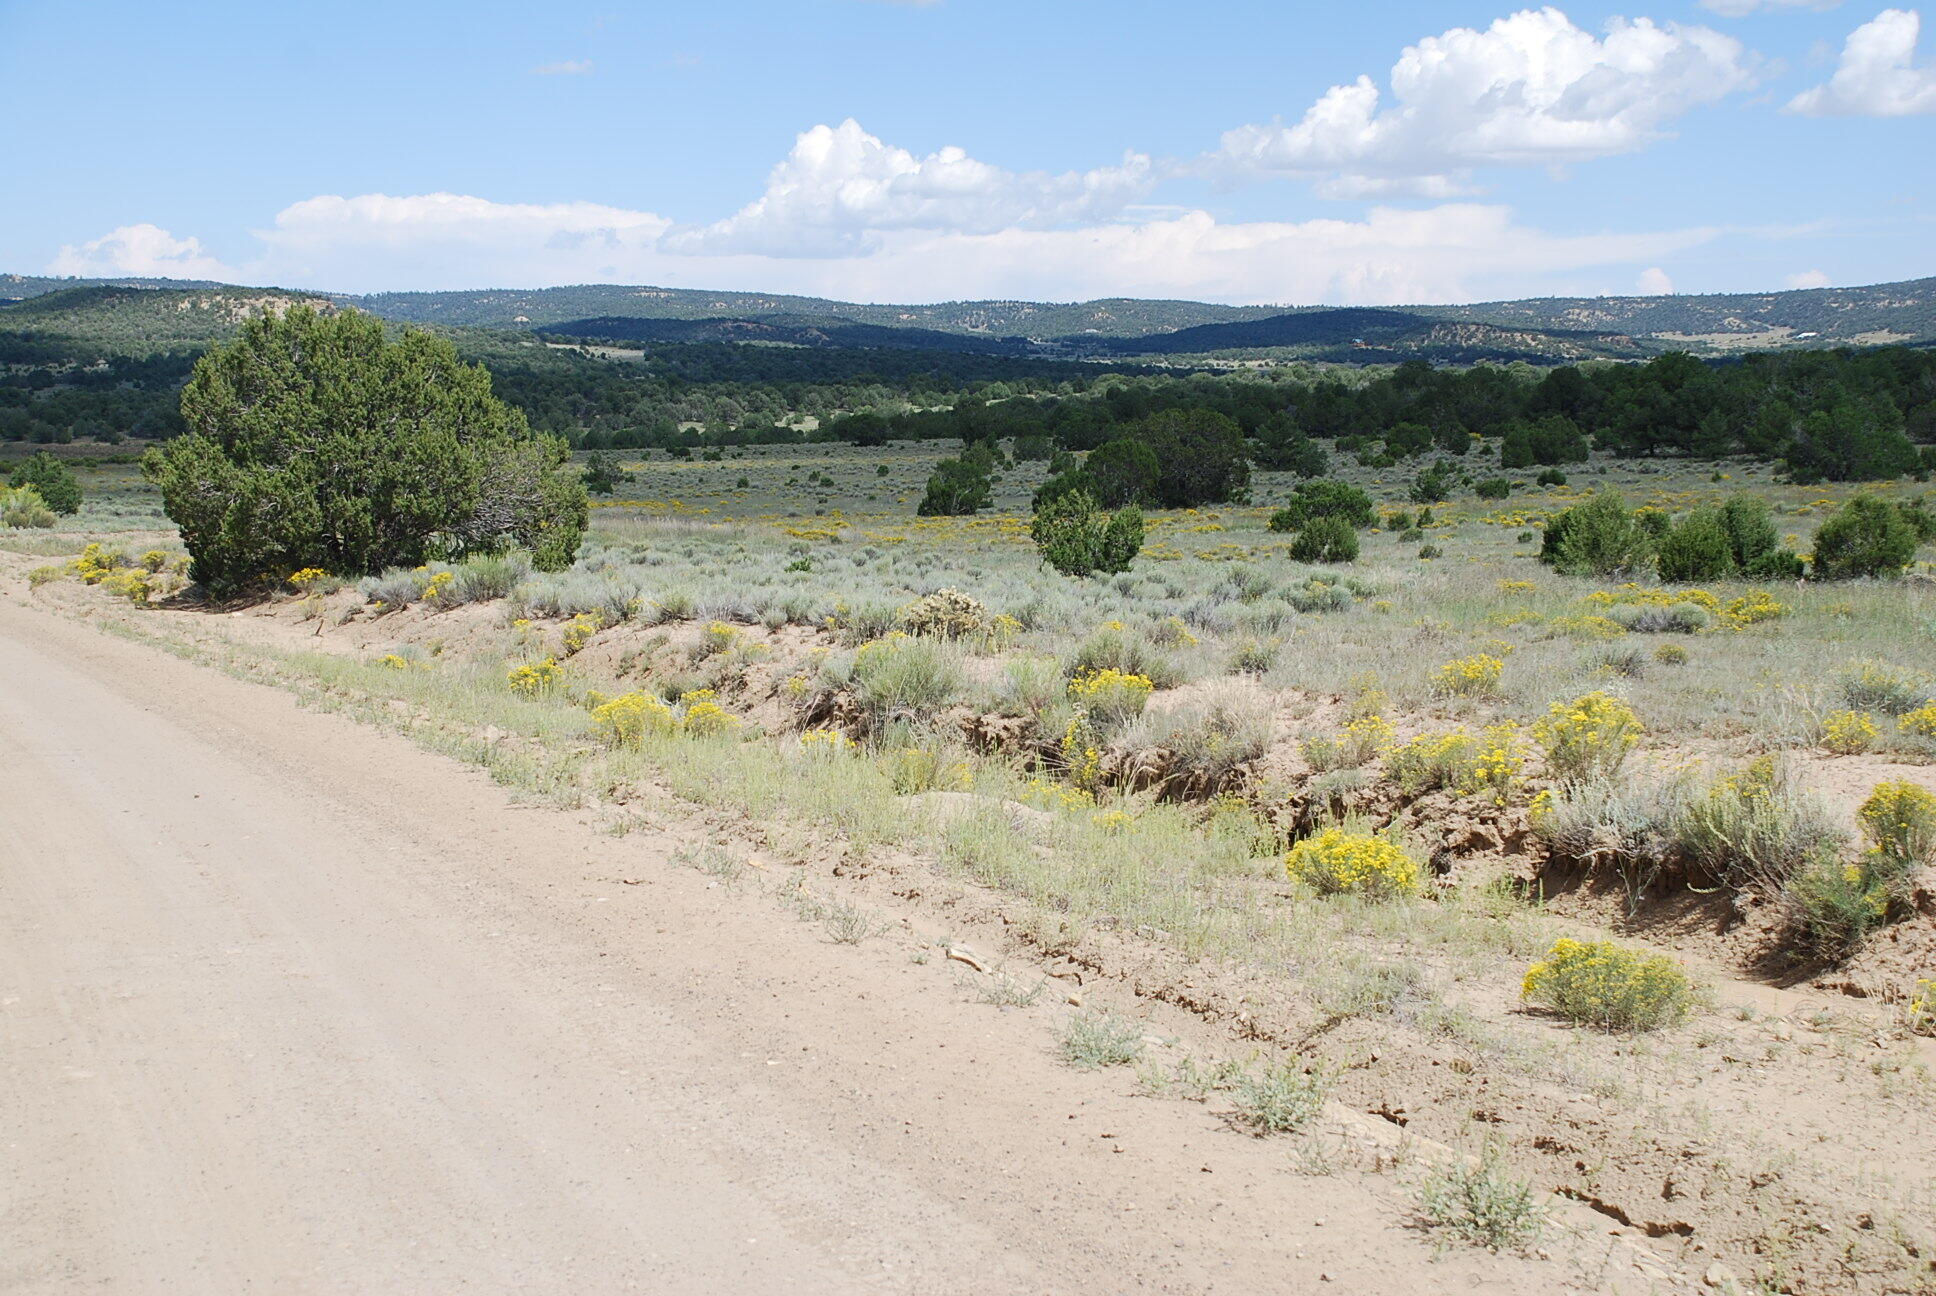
x=1543 y=329
x=134 y=320
x=781 y=330
x=1880 y=313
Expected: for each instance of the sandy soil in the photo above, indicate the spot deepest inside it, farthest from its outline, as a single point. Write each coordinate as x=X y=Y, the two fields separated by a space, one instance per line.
x=289 y=1005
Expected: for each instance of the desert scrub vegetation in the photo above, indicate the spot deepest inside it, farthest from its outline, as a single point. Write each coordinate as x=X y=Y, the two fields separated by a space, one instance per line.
x=1600 y=983
x=1340 y=862
x=1281 y=1097
x=1093 y=1039
x=1482 y=1202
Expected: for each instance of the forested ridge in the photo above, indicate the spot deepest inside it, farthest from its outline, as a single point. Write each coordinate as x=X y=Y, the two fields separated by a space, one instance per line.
x=107 y=362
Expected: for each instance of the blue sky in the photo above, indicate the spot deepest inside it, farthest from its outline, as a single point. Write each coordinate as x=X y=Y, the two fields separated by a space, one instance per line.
x=1377 y=152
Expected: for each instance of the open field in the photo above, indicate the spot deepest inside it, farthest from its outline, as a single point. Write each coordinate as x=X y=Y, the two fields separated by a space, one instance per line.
x=852 y=778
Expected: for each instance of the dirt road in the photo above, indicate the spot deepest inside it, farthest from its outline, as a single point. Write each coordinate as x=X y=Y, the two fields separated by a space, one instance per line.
x=292 y=1006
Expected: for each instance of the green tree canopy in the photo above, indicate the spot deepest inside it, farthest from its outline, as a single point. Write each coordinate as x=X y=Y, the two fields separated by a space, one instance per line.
x=53 y=480
x=314 y=441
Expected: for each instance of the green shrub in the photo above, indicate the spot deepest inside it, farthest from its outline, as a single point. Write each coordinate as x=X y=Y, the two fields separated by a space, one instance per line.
x=1493 y=488
x=1098 y=1039
x=1282 y=1098
x=1202 y=457
x=1866 y=537
x=54 y=481
x=1551 y=477
x=1756 y=829
x=1603 y=984
x=1483 y=1203
x=1079 y=539
x=1600 y=537
x=314 y=441
x=1123 y=471
x=901 y=677
x=1434 y=485
x=1696 y=550
x=1122 y=651
x=21 y=506
x=1837 y=904
x=958 y=487
x=1899 y=819
x=1324 y=499
x=1326 y=539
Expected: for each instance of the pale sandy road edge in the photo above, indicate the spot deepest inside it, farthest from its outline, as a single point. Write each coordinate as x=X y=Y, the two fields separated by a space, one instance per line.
x=1009 y=1189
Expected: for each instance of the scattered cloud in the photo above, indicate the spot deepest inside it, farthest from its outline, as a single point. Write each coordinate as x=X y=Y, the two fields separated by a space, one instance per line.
x=1808 y=279
x=1653 y=282
x=841 y=189
x=139 y=251
x=569 y=67
x=1876 y=76
x=1530 y=90
x=1449 y=252
x=1742 y=8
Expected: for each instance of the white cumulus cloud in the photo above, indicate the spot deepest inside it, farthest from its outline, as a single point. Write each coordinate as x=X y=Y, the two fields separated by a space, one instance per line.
x=139 y=251
x=1449 y=252
x=1654 y=282
x=1808 y=279
x=841 y=188
x=1876 y=76
x=405 y=239
x=1530 y=90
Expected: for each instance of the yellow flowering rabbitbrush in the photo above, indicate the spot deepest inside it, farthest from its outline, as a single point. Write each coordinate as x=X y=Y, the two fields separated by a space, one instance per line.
x=1588 y=737
x=1469 y=676
x=535 y=678
x=1336 y=862
x=1900 y=818
x=1110 y=694
x=1849 y=733
x=1608 y=985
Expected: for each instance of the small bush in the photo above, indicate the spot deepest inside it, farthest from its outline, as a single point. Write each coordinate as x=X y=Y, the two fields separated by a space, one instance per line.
x=1849 y=733
x=1326 y=539
x=1358 y=742
x=1589 y=737
x=904 y=677
x=945 y=614
x=21 y=507
x=1867 y=537
x=1110 y=695
x=1474 y=676
x=1118 y=649
x=1493 y=488
x=1837 y=904
x=626 y=720
x=1551 y=477
x=1598 y=538
x=533 y=679
x=1920 y=723
x=1206 y=741
x=1899 y=819
x=1324 y=498
x=1336 y=862
x=1097 y=1039
x=1484 y=1204
x=1078 y=538
x=1757 y=828
x=1876 y=686
x=1603 y=984
x=1282 y=1098
x=1670 y=654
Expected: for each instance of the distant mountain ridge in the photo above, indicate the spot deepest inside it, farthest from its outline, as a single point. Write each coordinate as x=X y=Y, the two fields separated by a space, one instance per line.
x=1541 y=329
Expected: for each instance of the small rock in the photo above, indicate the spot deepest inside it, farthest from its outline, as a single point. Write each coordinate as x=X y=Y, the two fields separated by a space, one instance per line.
x=1721 y=1278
